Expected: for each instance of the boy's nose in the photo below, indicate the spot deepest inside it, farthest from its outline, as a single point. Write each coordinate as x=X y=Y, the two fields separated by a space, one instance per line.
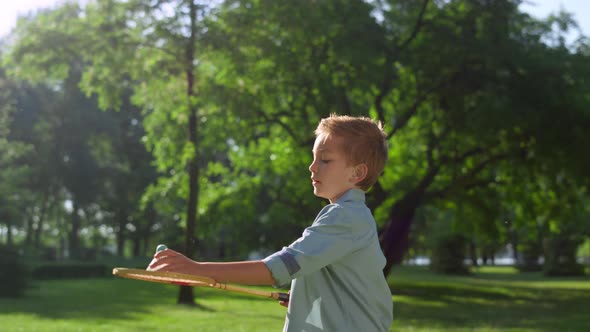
x=312 y=166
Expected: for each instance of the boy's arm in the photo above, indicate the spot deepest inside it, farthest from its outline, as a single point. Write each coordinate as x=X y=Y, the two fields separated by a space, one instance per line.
x=245 y=272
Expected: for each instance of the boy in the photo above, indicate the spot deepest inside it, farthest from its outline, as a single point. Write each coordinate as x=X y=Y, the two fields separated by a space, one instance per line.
x=335 y=267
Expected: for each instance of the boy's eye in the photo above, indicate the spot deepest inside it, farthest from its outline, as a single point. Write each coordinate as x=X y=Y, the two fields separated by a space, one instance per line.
x=325 y=161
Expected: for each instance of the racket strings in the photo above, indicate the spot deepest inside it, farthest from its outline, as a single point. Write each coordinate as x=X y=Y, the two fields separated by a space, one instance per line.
x=191 y=280
x=163 y=277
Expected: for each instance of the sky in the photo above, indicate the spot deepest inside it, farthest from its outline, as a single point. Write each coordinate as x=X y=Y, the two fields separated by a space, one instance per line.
x=11 y=9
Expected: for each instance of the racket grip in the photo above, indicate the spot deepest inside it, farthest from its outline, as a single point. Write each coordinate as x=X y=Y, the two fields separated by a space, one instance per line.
x=284 y=297
x=161 y=247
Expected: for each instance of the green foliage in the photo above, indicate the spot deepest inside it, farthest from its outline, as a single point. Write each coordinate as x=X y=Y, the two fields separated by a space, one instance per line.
x=260 y=183
x=14 y=275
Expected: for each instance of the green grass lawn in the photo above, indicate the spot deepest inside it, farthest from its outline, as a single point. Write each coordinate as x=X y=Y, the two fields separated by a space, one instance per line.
x=492 y=299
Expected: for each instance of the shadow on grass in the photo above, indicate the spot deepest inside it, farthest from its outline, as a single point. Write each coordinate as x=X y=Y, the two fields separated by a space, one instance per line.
x=109 y=298
x=489 y=301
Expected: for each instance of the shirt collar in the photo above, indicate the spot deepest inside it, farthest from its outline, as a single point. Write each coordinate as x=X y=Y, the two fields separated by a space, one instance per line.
x=352 y=195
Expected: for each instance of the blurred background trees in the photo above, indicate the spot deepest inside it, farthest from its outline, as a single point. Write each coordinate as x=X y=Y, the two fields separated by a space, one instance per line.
x=129 y=123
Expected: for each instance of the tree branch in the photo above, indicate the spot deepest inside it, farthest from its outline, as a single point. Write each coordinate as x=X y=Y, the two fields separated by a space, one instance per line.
x=417 y=26
x=388 y=77
x=469 y=180
x=469 y=153
x=386 y=86
x=268 y=119
x=403 y=120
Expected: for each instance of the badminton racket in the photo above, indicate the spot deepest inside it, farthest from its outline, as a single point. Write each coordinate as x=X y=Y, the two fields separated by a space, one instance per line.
x=182 y=279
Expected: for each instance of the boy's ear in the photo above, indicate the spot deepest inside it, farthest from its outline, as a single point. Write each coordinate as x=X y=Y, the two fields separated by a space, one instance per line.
x=360 y=173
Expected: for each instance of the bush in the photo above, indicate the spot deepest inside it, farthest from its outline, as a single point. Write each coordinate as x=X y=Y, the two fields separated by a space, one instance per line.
x=14 y=275
x=448 y=255
x=560 y=256
x=70 y=271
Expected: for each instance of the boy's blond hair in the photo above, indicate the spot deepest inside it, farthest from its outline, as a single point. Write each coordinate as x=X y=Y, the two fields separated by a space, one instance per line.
x=365 y=142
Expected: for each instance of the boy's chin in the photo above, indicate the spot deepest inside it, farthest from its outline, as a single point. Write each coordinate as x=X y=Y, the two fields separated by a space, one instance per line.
x=319 y=194
x=324 y=197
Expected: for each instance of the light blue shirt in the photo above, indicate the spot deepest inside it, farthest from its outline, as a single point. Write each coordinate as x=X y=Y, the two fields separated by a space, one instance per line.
x=336 y=272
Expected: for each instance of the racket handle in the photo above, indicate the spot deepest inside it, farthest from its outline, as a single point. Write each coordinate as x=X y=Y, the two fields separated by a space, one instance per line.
x=161 y=247
x=283 y=297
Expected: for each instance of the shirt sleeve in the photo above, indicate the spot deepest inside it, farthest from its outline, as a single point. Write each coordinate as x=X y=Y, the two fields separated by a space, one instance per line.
x=329 y=238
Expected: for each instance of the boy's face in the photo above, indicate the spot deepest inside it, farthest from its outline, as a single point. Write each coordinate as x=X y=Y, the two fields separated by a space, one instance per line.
x=330 y=175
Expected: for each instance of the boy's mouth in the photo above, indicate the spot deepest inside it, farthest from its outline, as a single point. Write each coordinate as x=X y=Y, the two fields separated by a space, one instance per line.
x=314 y=181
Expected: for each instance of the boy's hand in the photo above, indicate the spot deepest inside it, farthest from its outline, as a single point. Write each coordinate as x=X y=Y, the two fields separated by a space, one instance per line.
x=285 y=303
x=171 y=261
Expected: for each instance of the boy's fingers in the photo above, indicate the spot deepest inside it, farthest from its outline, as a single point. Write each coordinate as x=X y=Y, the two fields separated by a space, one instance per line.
x=159 y=264
x=285 y=303
x=164 y=253
x=152 y=265
x=160 y=258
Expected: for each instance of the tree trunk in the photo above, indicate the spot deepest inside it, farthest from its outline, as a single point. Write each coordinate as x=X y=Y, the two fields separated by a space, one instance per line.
x=143 y=238
x=395 y=236
x=29 y=232
x=9 y=240
x=74 y=232
x=515 y=253
x=473 y=253
x=45 y=209
x=136 y=242
x=185 y=295
x=121 y=228
x=37 y=231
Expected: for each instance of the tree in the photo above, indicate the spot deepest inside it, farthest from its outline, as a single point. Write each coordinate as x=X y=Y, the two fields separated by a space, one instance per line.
x=32 y=126
x=136 y=46
x=14 y=172
x=456 y=83
x=162 y=37
x=87 y=155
